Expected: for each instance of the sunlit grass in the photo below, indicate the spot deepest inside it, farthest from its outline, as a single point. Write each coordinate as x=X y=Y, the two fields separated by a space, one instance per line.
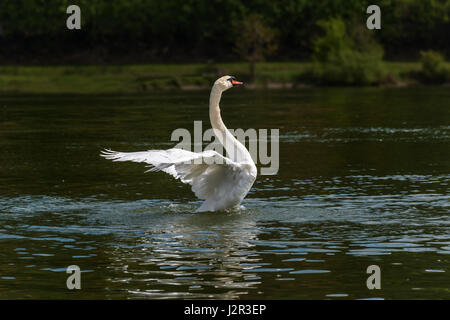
x=140 y=78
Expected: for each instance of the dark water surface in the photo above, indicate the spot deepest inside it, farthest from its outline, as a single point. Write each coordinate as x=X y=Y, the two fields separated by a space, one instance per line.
x=363 y=180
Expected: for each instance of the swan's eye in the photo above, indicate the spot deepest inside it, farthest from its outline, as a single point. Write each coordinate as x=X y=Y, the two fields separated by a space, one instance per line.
x=231 y=79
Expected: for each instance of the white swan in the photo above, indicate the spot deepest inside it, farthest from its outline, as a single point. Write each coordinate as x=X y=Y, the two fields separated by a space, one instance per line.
x=223 y=182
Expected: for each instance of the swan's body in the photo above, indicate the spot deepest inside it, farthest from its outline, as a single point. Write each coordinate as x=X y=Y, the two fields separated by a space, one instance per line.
x=223 y=182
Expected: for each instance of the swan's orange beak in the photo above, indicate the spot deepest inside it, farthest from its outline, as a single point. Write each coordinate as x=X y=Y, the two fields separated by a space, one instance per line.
x=236 y=83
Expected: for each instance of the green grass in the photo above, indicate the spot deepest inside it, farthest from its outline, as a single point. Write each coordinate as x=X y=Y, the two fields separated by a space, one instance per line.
x=141 y=78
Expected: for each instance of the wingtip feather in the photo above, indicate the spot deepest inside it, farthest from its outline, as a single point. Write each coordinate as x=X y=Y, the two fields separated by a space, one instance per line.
x=109 y=154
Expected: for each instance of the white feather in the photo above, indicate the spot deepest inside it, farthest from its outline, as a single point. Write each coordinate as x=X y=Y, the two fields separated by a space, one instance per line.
x=221 y=182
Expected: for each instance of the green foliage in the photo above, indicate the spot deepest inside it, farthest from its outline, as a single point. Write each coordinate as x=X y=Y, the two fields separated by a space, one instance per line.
x=198 y=30
x=409 y=26
x=333 y=42
x=345 y=57
x=433 y=67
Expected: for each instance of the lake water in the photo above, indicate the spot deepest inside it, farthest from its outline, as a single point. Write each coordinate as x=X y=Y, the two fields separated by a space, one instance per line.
x=363 y=180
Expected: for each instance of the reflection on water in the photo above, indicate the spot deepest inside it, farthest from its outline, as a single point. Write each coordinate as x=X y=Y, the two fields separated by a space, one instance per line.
x=363 y=180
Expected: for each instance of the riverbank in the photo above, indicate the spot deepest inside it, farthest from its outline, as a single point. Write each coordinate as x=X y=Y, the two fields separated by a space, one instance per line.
x=103 y=79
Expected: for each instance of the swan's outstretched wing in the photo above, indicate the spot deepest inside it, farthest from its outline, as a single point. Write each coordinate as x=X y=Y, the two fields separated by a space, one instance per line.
x=212 y=176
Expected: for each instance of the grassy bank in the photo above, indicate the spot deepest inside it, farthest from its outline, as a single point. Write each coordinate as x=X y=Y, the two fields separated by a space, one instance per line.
x=142 y=78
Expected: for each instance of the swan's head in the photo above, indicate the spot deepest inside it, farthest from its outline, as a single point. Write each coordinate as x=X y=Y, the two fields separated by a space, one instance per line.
x=227 y=82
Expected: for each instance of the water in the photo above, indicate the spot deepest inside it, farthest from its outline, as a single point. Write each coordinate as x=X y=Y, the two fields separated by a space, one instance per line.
x=363 y=181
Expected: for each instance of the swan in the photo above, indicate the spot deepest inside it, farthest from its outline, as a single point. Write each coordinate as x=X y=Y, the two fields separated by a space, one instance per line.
x=222 y=182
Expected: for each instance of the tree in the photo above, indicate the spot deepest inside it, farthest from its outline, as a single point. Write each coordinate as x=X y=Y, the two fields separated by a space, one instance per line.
x=346 y=54
x=254 y=41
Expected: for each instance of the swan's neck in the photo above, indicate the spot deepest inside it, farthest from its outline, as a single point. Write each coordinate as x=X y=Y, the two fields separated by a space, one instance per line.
x=214 y=111
x=235 y=150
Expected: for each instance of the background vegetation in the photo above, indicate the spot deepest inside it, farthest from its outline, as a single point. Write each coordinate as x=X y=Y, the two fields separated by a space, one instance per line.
x=194 y=30
x=329 y=36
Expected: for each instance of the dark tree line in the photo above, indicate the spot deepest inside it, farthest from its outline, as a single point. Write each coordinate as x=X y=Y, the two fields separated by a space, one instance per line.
x=34 y=31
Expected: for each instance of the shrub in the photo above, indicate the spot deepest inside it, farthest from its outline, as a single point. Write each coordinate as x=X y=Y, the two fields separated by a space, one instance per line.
x=433 y=67
x=345 y=57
